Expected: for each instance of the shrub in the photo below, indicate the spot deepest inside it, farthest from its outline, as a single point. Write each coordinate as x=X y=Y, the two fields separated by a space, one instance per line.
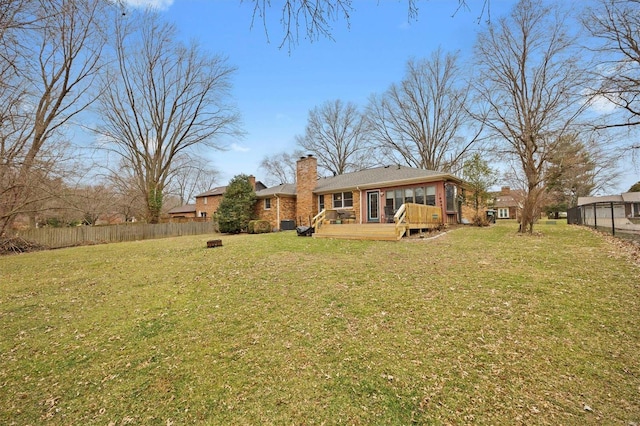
x=259 y=227
x=479 y=220
x=236 y=207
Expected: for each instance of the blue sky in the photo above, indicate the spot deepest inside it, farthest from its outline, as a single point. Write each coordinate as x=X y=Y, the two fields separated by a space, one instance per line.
x=274 y=88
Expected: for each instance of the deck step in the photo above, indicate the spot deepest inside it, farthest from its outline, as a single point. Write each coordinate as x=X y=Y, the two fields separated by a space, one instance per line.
x=381 y=232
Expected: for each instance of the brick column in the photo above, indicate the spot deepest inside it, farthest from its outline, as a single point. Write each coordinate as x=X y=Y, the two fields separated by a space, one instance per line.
x=306 y=180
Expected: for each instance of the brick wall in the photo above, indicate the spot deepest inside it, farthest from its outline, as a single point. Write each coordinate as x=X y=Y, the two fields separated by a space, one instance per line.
x=213 y=202
x=287 y=210
x=306 y=180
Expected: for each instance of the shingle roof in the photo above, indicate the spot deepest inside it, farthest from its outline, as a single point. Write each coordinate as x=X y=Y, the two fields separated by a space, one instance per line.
x=380 y=176
x=627 y=197
x=283 y=189
x=215 y=191
x=187 y=208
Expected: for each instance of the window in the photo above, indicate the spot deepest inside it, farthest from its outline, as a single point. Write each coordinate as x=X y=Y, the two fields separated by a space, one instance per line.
x=399 y=198
x=389 y=199
x=420 y=195
x=267 y=203
x=408 y=195
x=204 y=200
x=203 y=214
x=503 y=213
x=450 y=192
x=431 y=195
x=342 y=200
x=320 y=203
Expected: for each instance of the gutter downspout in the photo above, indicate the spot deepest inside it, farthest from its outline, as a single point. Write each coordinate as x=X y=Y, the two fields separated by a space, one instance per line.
x=278 y=213
x=361 y=200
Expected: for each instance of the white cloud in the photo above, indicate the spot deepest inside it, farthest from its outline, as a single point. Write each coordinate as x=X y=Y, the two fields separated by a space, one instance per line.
x=238 y=148
x=155 y=4
x=602 y=105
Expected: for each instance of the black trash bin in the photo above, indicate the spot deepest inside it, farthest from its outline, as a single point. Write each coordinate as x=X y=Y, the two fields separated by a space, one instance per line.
x=491 y=216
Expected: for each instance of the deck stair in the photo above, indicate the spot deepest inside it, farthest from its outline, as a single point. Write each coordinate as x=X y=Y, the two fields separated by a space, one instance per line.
x=369 y=231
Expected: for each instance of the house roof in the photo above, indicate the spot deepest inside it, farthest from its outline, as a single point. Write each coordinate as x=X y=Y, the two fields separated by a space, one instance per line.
x=220 y=190
x=283 y=189
x=627 y=197
x=214 y=191
x=187 y=208
x=380 y=177
x=505 y=201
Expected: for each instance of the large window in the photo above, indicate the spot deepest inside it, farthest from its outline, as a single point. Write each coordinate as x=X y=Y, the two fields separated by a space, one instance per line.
x=342 y=200
x=395 y=198
x=503 y=213
x=450 y=193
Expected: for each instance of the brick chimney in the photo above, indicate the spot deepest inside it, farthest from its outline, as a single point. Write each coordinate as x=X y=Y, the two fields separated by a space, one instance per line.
x=252 y=181
x=306 y=180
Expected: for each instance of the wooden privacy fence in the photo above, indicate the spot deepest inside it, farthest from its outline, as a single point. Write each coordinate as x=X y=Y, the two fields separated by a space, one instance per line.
x=67 y=237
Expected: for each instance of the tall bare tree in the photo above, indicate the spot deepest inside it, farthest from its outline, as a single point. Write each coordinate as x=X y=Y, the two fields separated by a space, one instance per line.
x=280 y=168
x=337 y=133
x=616 y=23
x=419 y=122
x=161 y=100
x=45 y=84
x=530 y=81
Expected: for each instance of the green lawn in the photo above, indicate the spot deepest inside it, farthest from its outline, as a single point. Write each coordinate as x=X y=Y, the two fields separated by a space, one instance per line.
x=479 y=326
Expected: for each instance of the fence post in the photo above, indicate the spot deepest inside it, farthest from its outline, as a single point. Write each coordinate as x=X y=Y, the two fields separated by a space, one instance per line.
x=613 y=221
x=595 y=215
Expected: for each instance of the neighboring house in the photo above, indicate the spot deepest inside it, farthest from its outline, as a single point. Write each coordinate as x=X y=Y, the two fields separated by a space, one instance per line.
x=186 y=211
x=367 y=196
x=208 y=202
x=507 y=203
x=624 y=206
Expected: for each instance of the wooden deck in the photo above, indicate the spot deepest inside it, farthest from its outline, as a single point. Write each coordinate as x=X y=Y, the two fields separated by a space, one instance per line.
x=369 y=231
x=409 y=216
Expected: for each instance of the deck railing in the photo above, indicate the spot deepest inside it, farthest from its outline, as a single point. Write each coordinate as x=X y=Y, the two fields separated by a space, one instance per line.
x=318 y=219
x=416 y=216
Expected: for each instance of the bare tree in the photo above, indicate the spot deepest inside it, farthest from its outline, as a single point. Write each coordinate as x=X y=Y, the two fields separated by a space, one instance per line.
x=45 y=84
x=162 y=100
x=316 y=17
x=337 y=133
x=129 y=201
x=419 y=122
x=530 y=81
x=280 y=168
x=192 y=176
x=617 y=24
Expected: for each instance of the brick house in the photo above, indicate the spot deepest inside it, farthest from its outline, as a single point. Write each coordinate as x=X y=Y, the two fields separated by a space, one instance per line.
x=367 y=196
x=208 y=202
x=508 y=203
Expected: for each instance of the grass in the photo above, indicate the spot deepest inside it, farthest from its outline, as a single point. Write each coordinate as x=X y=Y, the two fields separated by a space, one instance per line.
x=480 y=326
